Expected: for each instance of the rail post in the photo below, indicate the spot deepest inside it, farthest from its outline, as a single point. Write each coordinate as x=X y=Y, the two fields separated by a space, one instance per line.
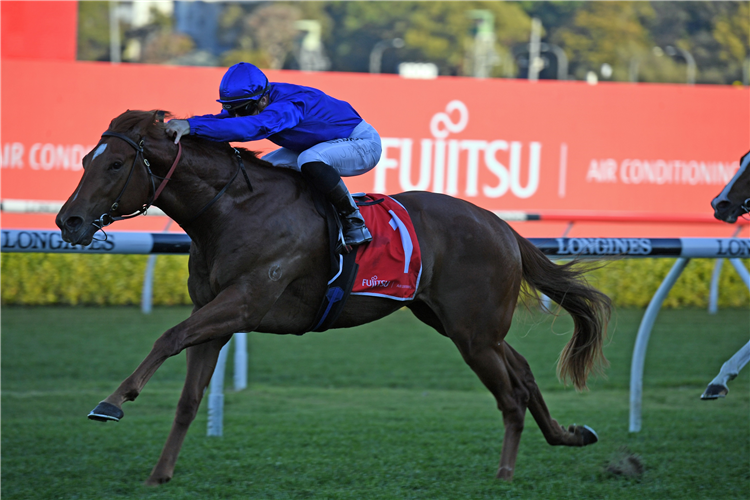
x=240 y=361
x=713 y=294
x=216 y=387
x=148 y=279
x=216 y=395
x=641 y=341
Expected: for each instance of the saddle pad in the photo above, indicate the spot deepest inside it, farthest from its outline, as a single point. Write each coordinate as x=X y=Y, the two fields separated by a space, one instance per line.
x=391 y=264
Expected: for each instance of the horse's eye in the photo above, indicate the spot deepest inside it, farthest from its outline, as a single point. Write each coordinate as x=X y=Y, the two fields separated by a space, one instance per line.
x=117 y=165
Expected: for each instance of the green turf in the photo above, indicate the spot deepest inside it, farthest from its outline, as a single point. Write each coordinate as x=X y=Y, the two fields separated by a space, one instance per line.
x=384 y=411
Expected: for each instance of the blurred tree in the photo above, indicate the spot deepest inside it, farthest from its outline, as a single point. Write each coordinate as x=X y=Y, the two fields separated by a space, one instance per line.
x=732 y=31
x=232 y=31
x=715 y=33
x=606 y=32
x=93 y=31
x=619 y=33
x=162 y=46
x=437 y=32
x=554 y=14
x=265 y=34
x=272 y=27
x=160 y=43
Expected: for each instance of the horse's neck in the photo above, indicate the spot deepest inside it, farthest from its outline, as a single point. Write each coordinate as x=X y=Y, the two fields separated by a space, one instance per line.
x=199 y=178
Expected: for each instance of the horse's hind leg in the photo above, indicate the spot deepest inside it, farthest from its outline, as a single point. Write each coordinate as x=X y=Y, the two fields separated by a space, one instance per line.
x=553 y=432
x=479 y=337
x=201 y=361
x=492 y=368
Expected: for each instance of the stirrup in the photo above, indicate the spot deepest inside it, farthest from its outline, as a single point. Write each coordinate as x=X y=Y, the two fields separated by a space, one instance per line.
x=352 y=235
x=356 y=236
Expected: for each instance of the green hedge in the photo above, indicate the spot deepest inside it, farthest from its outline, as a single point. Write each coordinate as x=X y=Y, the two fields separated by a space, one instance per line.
x=633 y=282
x=71 y=279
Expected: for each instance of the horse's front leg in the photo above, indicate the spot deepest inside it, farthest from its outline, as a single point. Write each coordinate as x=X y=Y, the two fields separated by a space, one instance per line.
x=201 y=362
x=228 y=313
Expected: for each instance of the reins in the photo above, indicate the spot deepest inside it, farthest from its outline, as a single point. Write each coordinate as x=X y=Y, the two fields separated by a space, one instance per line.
x=107 y=218
x=224 y=189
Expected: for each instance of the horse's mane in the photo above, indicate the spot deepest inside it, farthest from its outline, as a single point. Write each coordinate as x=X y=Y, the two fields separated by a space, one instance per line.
x=150 y=124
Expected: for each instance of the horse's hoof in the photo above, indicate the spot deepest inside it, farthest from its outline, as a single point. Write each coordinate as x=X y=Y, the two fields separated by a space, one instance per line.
x=505 y=473
x=589 y=435
x=715 y=391
x=105 y=412
x=156 y=481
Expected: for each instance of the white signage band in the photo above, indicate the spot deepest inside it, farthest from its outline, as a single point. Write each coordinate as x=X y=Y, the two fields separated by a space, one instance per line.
x=47 y=241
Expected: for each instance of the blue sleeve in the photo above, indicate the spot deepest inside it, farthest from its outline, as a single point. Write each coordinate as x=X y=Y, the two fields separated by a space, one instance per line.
x=223 y=128
x=223 y=114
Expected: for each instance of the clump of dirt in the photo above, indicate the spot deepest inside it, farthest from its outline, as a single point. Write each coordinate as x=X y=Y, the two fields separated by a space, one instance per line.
x=624 y=463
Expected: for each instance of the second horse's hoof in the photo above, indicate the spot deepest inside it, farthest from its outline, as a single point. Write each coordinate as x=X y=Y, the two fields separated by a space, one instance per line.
x=104 y=412
x=715 y=391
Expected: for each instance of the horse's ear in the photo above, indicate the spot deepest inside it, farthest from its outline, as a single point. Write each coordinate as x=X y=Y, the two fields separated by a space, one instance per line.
x=160 y=116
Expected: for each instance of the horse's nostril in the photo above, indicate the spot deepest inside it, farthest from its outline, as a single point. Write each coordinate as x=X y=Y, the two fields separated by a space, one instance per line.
x=722 y=205
x=73 y=223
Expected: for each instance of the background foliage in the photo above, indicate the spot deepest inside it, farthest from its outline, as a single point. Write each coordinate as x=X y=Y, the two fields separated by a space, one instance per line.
x=73 y=279
x=591 y=34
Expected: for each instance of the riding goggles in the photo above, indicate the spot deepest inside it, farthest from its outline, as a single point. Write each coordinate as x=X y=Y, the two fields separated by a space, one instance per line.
x=243 y=108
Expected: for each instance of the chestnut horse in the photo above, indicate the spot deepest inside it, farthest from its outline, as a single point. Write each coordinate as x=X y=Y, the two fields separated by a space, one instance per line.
x=259 y=262
x=734 y=199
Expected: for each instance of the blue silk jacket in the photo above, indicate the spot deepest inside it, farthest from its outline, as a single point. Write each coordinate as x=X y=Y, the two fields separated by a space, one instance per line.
x=297 y=118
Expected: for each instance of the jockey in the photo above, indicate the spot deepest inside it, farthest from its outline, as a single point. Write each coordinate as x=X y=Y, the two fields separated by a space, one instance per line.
x=321 y=137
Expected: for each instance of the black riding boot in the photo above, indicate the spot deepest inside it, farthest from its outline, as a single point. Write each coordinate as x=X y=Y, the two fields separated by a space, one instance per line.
x=354 y=228
x=325 y=178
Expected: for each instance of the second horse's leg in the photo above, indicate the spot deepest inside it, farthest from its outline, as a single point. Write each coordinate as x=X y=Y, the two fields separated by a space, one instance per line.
x=201 y=362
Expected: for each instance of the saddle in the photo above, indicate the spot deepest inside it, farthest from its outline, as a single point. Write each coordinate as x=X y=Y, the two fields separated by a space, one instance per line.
x=390 y=266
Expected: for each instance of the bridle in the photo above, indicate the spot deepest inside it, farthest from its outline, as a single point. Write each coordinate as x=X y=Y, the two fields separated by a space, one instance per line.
x=108 y=218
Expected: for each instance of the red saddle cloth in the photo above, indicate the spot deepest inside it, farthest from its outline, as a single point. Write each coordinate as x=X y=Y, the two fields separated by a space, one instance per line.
x=391 y=264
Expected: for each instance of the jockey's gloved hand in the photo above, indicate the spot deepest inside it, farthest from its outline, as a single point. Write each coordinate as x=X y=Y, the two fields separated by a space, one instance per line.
x=177 y=128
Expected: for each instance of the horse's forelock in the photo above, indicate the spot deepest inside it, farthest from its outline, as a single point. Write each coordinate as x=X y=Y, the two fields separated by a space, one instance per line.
x=134 y=120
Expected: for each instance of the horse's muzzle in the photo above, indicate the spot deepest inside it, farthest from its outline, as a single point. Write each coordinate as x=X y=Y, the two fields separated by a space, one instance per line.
x=724 y=211
x=75 y=230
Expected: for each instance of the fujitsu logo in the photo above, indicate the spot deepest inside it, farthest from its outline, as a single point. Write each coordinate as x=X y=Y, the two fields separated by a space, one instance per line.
x=472 y=168
x=374 y=282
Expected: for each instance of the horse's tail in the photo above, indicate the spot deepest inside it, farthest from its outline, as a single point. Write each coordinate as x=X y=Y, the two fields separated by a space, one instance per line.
x=590 y=309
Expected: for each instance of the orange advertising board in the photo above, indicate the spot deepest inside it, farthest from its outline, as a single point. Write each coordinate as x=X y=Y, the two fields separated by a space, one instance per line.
x=501 y=144
x=43 y=30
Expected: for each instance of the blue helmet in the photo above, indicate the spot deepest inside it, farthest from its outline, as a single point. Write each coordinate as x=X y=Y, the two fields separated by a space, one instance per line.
x=242 y=82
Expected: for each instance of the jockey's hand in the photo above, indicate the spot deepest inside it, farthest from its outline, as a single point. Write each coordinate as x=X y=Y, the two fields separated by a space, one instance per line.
x=177 y=128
